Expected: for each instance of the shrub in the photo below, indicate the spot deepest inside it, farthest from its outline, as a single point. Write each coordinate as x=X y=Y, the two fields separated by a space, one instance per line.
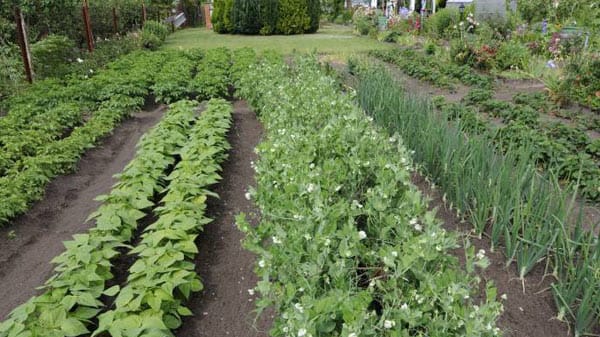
x=266 y=16
x=512 y=54
x=11 y=70
x=221 y=18
x=440 y=22
x=243 y=17
x=153 y=35
x=52 y=55
x=269 y=10
x=293 y=17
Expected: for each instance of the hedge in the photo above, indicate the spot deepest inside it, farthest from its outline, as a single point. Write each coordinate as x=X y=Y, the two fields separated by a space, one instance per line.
x=274 y=16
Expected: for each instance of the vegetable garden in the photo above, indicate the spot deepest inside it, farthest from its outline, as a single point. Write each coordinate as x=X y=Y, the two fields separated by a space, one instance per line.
x=327 y=197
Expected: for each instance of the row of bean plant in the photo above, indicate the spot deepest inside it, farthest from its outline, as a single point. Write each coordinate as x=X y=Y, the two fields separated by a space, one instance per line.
x=346 y=245
x=163 y=277
x=72 y=296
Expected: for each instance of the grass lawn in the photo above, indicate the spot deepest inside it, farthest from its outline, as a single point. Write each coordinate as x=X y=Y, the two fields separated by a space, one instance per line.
x=331 y=39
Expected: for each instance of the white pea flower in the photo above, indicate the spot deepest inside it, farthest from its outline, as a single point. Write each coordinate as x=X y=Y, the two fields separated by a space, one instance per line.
x=504 y=297
x=299 y=307
x=311 y=166
x=307 y=237
x=353 y=334
x=251 y=292
x=481 y=254
x=389 y=324
x=418 y=227
x=79 y=60
x=404 y=306
x=362 y=235
x=327 y=242
x=395 y=253
x=301 y=332
x=248 y=196
x=261 y=263
x=276 y=240
x=310 y=188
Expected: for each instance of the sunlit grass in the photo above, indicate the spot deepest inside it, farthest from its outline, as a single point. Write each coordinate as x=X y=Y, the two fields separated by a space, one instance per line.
x=331 y=39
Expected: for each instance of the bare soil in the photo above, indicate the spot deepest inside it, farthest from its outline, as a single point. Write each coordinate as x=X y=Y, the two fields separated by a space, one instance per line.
x=32 y=240
x=225 y=307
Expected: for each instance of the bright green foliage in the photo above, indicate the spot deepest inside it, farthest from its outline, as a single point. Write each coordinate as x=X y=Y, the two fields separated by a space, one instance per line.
x=153 y=34
x=293 y=17
x=110 y=96
x=212 y=76
x=346 y=244
x=52 y=55
x=221 y=19
x=72 y=295
x=163 y=277
x=174 y=79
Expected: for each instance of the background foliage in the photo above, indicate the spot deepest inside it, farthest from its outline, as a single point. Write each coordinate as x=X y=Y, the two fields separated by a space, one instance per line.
x=275 y=16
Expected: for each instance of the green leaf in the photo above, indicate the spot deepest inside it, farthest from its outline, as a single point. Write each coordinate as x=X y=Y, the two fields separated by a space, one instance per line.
x=72 y=327
x=112 y=291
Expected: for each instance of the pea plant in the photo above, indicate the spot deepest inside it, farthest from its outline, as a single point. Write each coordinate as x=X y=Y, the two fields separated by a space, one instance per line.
x=346 y=245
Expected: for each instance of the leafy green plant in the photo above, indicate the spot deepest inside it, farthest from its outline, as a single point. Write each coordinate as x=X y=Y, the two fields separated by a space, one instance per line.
x=167 y=247
x=346 y=245
x=512 y=55
x=72 y=296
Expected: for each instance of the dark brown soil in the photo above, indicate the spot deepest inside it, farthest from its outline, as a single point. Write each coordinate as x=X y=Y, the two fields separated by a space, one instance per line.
x=225 y=307
x=30 y=242
x=526 y=314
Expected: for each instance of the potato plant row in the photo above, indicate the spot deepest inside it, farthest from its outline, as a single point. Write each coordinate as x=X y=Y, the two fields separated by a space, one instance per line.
x=111 y=95
x=163 y=277
x=346 y=245
x=72 y=295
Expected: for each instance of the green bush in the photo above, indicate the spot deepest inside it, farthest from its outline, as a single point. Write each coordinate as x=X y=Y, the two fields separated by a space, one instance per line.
x=512 y=54
x=11 y=70
x=221 y=18
x=52 y=55
x=439 y=23
x=293 y=17
x=243 y=17
x=266 y=16
x=153 y=35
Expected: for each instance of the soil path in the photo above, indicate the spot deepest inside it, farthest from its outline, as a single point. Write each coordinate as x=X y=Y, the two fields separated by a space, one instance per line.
x=526 y=314
x=32 y=240
x=225 y=307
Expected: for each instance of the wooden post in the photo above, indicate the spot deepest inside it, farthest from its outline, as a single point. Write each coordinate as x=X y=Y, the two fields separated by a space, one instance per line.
x=115 y=20
x=144 y=14
x=24 y=44
x=88 y=26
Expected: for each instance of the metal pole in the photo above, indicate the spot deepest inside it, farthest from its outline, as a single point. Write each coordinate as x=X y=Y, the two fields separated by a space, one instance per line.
x=24 y=44
x=88 y=27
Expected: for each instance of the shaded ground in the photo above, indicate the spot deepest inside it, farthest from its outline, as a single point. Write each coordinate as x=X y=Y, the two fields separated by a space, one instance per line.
x=32 y=240
x=526 y=314
x=225 y=307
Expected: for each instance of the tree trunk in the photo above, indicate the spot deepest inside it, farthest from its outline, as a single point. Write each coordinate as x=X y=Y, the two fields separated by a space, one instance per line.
x=348 y=4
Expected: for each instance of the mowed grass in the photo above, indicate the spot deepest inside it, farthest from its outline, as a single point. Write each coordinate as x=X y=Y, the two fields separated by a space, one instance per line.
x=330 y=39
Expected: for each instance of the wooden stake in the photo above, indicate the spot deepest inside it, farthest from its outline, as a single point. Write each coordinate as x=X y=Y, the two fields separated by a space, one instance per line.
x=115 y=20
x=144 y=14
x=24 y=44
x=88 y=26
